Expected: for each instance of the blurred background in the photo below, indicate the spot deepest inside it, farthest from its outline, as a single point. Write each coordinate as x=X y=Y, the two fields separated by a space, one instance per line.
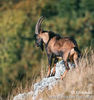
x=20 y=61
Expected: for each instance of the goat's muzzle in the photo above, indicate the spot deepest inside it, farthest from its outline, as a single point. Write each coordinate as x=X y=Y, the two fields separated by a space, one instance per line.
x=39 y=44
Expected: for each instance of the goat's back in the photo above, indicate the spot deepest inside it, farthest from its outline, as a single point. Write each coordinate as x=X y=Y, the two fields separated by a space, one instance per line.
x=61 y=44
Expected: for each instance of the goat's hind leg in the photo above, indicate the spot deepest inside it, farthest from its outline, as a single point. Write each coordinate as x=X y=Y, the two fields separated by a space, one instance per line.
x=76 y=56
x=65 y=58
x=75 y=59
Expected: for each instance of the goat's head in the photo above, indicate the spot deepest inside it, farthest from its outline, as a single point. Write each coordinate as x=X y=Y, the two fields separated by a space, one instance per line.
x=40 y=36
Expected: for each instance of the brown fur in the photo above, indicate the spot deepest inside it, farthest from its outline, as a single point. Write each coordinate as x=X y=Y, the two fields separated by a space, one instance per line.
x=59 y=47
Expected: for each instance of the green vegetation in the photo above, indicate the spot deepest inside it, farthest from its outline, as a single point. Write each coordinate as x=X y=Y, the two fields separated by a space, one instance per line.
x=20 y=61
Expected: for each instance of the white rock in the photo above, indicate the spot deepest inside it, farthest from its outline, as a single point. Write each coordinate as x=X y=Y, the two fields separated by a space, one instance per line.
x=23 y=96
x=46 y=82
x=60 y=68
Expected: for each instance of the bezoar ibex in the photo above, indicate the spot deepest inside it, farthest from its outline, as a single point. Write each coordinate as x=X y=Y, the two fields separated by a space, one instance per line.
x=56 y=47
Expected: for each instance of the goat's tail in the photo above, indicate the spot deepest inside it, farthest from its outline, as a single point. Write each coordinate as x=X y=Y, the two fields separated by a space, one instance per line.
x=75 y=50
x=74 y=55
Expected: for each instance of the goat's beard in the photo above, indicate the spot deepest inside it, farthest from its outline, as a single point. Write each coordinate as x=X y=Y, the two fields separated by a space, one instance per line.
x=42 y=46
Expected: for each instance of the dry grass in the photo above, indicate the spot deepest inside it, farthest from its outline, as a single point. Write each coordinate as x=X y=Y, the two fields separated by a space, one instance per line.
x=77 y=85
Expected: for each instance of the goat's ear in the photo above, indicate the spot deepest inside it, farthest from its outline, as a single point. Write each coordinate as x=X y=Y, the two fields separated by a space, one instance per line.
x=41 y=31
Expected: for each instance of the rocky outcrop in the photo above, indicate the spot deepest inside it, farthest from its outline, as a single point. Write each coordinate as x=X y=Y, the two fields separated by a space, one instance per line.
x=47 y=83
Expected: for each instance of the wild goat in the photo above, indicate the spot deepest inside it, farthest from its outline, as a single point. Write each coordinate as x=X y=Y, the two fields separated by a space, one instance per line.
x=56 y=47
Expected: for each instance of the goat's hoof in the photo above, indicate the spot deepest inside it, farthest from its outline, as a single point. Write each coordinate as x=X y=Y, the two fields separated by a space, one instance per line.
x=53 y=74
x=48 y=76
x=62 y=77
x=77 y=70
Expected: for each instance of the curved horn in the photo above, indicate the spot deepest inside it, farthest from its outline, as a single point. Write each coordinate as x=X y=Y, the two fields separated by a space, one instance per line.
x=38 y=25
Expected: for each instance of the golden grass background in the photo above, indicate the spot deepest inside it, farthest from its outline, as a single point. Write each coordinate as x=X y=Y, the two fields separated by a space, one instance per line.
x=77 y=85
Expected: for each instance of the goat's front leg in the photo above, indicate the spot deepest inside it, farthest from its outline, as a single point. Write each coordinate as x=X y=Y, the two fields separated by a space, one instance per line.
x=54 y=69
x=49 y=66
